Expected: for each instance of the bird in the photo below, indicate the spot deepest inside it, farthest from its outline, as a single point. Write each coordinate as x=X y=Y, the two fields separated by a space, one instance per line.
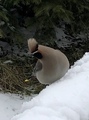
x=51 y=64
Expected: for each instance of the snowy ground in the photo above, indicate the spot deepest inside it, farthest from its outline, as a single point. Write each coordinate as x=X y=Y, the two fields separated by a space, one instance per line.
x=66 y=99
x=10 y=105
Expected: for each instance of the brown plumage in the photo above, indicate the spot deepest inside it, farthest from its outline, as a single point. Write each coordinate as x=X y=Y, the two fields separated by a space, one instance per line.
x=51 y=65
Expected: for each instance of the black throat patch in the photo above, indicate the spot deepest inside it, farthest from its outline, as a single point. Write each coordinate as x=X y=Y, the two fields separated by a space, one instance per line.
x=38 y=55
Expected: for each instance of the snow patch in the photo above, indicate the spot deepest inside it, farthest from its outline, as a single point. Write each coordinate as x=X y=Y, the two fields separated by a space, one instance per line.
x=10 y=105
x=66 y=99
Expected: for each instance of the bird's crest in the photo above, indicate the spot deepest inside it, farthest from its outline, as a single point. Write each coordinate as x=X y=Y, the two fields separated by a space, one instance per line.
x=32 y=45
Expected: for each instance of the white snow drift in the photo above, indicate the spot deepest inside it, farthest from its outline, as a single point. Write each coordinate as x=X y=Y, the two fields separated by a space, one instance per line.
x=10 y=105
x=66 y=99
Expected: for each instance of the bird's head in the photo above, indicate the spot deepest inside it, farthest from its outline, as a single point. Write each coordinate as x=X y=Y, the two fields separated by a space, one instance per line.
x=33 y=48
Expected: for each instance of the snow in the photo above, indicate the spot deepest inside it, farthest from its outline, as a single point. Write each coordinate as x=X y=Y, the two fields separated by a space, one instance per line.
x=66 y=99
x=10 y=105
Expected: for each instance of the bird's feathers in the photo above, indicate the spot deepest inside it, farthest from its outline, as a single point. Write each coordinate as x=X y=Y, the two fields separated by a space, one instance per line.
x=51 y=66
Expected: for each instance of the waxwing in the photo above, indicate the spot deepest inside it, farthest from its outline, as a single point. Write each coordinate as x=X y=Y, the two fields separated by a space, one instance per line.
x=52 y=64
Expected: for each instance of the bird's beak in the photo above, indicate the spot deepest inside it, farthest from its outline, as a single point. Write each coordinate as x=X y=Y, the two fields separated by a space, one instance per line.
x=32 y=54
x=36 y=54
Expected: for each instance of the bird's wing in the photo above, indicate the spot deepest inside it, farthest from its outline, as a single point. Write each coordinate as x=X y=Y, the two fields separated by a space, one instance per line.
x=37 y=67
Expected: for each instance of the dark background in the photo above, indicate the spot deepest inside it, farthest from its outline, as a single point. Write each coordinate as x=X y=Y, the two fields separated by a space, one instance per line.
x=59 y=24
